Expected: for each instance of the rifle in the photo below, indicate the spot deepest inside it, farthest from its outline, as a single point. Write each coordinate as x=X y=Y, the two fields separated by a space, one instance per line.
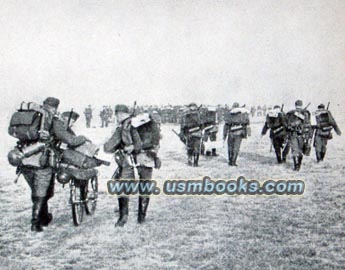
x=282 y=109
x=67 y=126
x=182 y=139
x=306 y=107
x=120 y=157
x=18 y=174
x=69 y=118
x=134 y=108
x=131 y=159
x=135 y=167
x=328 y=105
x=117 y=173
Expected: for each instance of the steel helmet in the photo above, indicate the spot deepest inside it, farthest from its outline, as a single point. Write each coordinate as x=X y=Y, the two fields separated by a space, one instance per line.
x=15 y=157
x=63 y=177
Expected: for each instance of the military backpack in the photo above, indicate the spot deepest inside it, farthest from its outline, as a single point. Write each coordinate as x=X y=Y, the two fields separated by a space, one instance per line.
x=27 y=122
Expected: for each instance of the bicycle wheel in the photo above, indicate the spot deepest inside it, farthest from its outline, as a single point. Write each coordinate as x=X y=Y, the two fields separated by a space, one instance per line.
x=92 y=195
x=77 y=205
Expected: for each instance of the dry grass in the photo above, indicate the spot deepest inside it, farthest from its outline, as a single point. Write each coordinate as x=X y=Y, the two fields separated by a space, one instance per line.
x=240 y=232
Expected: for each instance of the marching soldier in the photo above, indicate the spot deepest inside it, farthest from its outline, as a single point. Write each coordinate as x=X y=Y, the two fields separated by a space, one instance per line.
x=235 y=129
x=276 y=122
x=131 y=154
x=104 y=117
x=252 y=111
x=298 y=126
x=210 y=129
x=41 y=179
x=88 y=116
x=147 y=159
x=37 y=168
x=191 y=133
x=324 y=125
x=157 y=118
x=110 y=112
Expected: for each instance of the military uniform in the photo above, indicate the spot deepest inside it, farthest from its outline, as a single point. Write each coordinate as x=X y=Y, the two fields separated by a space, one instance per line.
x=70 y=159
x=191 y=133
x=235 y=129
x=104 y=114
x=147 y=159
x=130 y=154
x=88 y=116
x=41 y=179
x=324 y=125
x=157 y=118
x=210 y=128
x=276 y=122
x=299 y=133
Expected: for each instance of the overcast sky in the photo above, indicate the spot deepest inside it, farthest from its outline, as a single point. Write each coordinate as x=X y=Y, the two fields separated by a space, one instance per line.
x=108 y=52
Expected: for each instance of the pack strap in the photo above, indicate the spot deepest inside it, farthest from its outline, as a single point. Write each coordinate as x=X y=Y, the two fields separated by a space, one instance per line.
x=277 y=130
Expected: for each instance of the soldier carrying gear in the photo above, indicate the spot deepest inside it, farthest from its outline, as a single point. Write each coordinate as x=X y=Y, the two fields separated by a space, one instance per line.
x=156 y=118
x=88 y=116
x=109 y=112
x=235 y=129
x=210 y=127
x=37 y=166
x=324 y=125
x=134 y=152
x=32 y=163
x=69 y=118
x=276 y=122
x=104 y=114
x=299 y=129
x=191 y=131
x=147 y=159
x=78 y=162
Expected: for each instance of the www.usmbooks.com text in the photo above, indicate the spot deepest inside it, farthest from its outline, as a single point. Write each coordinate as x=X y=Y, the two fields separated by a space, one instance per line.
x=206 y=186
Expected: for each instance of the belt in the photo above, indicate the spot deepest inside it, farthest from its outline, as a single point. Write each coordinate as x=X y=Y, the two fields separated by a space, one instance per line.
x=193 y=129
x=329 y=128
x=235 y=127
x=278 y=129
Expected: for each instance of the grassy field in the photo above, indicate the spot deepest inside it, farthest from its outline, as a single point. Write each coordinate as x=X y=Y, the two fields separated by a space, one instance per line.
x=215 y=232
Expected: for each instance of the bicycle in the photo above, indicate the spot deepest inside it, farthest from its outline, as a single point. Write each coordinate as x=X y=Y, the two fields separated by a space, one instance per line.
x=82 y=199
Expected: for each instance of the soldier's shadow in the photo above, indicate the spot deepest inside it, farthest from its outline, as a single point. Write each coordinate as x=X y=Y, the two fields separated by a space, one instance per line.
x=257 y=158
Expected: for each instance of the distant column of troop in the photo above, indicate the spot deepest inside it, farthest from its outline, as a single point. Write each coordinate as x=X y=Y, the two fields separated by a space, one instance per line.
x=47 y=147
x=294 y=130
x=288 y=131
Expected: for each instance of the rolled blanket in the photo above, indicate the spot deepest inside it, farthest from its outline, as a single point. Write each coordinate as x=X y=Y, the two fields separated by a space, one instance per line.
x=80 y=160
x=77 y=173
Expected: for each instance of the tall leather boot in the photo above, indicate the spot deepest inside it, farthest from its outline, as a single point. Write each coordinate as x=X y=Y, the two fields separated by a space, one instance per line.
x=36 y=211
x=190 y=160
x=234 y=159
x=196 y=160
x=143 y=205
x=299 y=162
x=230 y=158
x=278 y=155
x=323 y=153
x=123 y=209
x=286 y=150
x=45 y=216
x=295 y=161
x=214 y=152
x=318 y=156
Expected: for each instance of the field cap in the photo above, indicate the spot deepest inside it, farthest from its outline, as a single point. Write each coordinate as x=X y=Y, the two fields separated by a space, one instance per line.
x=51 y=101
x=121 y=108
